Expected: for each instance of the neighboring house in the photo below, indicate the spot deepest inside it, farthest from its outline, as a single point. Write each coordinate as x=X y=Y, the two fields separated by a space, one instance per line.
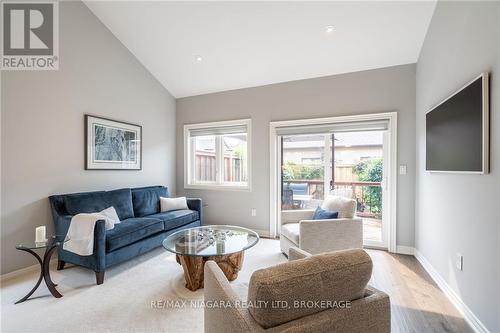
x=350 y=149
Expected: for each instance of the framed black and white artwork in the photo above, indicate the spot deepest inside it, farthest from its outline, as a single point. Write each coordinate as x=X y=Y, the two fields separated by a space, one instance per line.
x=112 y=144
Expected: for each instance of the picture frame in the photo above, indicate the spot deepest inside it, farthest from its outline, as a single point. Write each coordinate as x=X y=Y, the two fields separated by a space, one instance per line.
x=112 y=144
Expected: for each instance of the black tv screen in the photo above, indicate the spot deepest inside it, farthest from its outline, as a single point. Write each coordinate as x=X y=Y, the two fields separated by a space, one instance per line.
x=457 y=131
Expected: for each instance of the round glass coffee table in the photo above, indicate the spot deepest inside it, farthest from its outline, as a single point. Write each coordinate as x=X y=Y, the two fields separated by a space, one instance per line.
x=224 y=244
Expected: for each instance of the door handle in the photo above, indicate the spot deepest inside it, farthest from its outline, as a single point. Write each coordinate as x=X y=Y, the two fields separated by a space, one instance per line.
x=383 y=184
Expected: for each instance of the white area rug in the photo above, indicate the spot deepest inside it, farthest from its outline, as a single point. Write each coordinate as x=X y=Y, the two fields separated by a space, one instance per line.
x=125 y=302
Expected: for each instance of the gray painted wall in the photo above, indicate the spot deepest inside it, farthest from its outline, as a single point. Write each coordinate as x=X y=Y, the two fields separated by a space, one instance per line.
x=458 y=212
x=387 y=89
x=43 y=134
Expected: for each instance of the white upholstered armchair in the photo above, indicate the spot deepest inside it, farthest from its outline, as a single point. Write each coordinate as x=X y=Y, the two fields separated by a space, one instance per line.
x=298 y=229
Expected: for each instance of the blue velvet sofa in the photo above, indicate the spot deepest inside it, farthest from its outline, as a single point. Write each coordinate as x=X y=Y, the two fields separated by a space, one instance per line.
x=143 y=227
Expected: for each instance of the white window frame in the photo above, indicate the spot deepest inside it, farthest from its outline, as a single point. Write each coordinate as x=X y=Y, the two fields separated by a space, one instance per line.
x=219 y=184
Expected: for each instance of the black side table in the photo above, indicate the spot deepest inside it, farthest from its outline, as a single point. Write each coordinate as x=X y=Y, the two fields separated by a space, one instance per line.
x=50 y=246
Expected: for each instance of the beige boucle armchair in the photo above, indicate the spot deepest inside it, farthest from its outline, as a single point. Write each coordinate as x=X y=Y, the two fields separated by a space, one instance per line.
x=318 y=236
x=294 y=296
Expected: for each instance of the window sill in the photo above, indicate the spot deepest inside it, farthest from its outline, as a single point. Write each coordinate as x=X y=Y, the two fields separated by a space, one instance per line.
x=245 y=188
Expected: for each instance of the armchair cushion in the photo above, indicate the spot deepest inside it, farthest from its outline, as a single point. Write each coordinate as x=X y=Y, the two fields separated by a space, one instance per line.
x=345 y=206
x=294 y=216
x=291 y=231
x=330 y=277
x=323 y=214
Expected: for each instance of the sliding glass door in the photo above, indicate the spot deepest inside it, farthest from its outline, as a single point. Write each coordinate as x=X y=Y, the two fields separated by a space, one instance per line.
x=348 y=163
x=306 y=170
x=359 y=174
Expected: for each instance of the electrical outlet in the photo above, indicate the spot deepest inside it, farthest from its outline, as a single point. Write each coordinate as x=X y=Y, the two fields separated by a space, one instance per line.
x=403 y=169
x=459 y=262
x=254 y=212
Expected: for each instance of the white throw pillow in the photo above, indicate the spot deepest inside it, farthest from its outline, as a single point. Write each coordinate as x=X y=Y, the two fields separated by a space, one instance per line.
x=168 y=204
x=111 y=216
x=345 y=206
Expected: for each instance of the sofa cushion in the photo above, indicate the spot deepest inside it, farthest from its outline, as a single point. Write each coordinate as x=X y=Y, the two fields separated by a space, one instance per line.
x=327 y=278
x=89 y=202
x=122 y=201
x=345 y=206
x=177 y=218
x=146 y=200
x=291 y=231
x=132 y=230
x=111 y=216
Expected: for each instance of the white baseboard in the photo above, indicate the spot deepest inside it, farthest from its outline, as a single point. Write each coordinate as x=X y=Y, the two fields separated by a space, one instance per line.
x=25 y=270
x=469 y=316
x=401 y=249
x=262 y=233
x=13 y=274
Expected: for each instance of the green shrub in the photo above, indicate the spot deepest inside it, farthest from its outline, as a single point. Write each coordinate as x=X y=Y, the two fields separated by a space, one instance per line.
x=292 y=171
x=371 y=171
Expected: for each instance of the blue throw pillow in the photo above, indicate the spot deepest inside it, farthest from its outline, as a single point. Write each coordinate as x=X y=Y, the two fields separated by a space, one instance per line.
x=323 y=214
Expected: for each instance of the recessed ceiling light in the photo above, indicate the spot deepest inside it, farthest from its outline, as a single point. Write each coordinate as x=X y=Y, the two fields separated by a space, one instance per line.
x=329 y=29
x=198 y=58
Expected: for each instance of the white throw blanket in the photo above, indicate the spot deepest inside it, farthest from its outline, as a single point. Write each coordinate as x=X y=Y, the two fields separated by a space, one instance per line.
x=81 y=233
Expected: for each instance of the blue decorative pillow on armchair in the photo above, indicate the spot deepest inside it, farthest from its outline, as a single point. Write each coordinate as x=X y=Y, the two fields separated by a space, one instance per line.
x=323 y=214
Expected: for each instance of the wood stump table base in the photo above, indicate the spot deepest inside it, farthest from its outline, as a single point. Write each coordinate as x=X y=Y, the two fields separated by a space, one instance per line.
x=193 y=267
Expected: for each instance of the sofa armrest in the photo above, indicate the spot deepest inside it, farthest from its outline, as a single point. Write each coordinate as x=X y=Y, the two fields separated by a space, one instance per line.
x=196 y=204
x=229 y=315
x=294 y=216
x=371 y=313
x=97 y=261
x=317 y=236
x=62 y=226
x=294 y=253
x=100 y=245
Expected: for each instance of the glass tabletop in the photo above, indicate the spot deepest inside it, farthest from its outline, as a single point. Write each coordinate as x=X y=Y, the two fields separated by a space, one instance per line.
x=52 y=240
x=211 y=240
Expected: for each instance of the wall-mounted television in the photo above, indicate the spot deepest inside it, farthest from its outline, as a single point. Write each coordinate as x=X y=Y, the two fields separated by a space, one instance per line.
x=457 y=130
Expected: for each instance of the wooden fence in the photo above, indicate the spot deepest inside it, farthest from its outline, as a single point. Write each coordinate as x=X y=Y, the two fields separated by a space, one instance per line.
x=206 y=167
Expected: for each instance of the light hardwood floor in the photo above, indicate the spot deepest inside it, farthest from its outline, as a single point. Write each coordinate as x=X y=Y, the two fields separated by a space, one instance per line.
x=417 y=303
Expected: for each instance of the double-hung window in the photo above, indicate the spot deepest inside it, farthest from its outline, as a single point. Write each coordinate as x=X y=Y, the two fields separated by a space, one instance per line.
x=217 y=155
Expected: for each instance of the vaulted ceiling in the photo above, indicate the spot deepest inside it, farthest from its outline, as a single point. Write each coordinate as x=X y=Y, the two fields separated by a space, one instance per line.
x=195 y=48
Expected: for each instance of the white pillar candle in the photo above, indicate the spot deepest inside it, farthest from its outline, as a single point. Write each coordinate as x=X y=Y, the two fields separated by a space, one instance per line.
x=40 y=234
